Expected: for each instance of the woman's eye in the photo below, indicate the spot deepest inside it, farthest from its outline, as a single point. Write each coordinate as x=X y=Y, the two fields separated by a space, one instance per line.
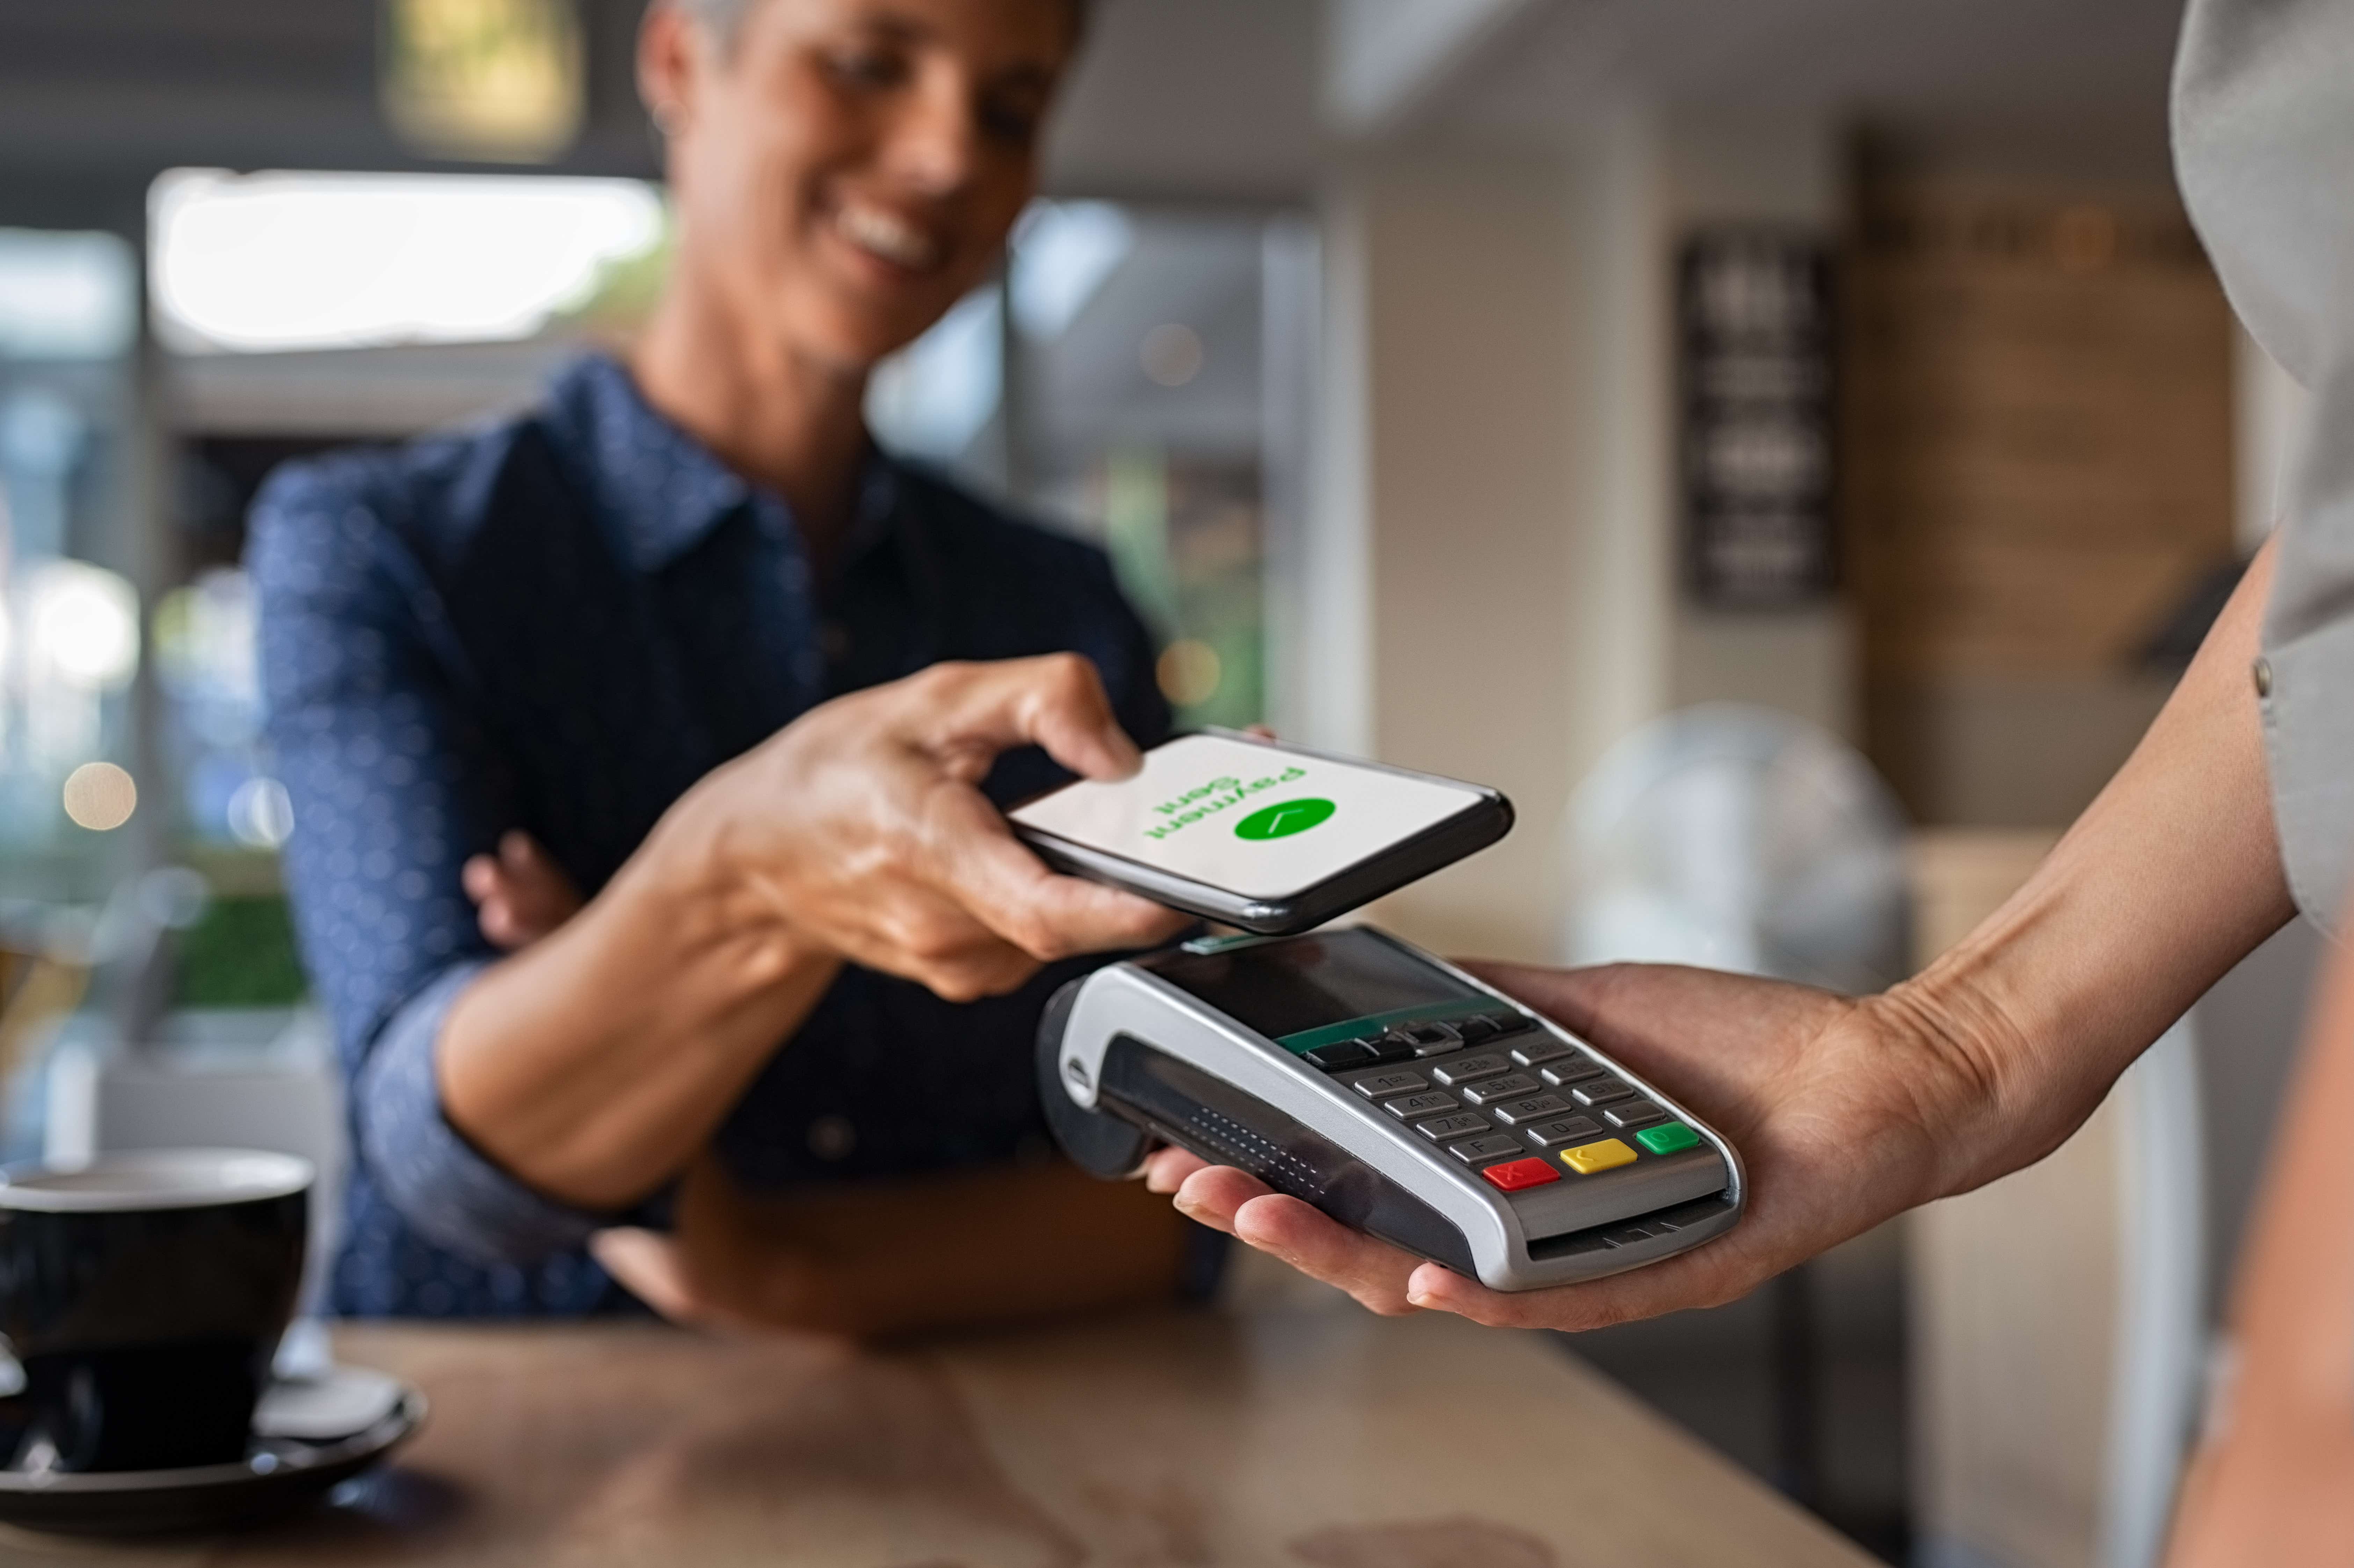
x=1014 y=124
x=868 y=68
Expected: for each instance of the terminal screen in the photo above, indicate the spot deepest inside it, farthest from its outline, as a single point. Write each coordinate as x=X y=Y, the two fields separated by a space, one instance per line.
x=1310 y=981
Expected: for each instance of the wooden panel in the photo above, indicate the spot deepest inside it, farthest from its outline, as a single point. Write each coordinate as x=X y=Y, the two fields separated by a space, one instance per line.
x=2036 y=435
x=2038 y=431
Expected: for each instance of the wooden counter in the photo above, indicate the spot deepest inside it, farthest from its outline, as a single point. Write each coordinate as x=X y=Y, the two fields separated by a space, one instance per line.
x=1298 y=1438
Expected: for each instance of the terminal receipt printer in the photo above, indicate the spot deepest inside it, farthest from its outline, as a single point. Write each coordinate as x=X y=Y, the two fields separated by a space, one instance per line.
x=1392 y=1091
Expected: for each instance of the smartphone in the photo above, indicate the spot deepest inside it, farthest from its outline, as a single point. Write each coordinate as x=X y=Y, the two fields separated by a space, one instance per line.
x=1272 y=838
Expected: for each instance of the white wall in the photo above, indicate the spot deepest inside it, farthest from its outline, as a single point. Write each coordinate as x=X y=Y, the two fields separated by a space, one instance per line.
x=1488 y=580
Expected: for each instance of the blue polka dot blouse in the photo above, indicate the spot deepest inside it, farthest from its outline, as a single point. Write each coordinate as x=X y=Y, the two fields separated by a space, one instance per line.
x=558 y=623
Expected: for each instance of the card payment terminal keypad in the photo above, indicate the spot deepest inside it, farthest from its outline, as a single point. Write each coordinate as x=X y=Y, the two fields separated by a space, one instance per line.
x=1527 y=1111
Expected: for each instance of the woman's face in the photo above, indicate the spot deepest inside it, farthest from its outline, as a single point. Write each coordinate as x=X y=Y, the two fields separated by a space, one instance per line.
x=845 y=170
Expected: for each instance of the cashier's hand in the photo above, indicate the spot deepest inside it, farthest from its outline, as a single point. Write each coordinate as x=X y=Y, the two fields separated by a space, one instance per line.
x=1833 y=1102
x=860 y=829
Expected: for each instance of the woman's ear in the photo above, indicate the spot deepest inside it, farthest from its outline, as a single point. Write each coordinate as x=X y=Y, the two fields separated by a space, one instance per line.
x=673 y=53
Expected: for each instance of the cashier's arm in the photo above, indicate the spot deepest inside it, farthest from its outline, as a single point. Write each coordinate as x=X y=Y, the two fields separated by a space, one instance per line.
x=1849 y=1110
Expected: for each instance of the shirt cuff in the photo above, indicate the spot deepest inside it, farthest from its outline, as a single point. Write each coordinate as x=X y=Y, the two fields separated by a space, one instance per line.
x=440 y=1183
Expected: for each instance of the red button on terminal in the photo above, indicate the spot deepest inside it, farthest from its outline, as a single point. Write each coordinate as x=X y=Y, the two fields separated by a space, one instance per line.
x=1514 y=1175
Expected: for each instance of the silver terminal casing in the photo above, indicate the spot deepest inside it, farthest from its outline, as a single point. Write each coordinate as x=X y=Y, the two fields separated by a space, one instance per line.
x=1579 y=1227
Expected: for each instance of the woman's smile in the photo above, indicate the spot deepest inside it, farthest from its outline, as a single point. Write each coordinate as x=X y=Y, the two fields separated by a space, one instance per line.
x=905 y=246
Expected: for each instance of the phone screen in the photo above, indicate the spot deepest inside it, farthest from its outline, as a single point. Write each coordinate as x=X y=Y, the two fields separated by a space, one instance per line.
x=1253 y=820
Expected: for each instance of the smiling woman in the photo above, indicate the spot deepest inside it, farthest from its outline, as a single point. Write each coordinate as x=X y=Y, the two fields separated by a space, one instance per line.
x=642 y=750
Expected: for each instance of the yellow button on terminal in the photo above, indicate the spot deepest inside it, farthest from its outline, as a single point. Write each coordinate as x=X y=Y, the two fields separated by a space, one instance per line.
x=1590 y=1158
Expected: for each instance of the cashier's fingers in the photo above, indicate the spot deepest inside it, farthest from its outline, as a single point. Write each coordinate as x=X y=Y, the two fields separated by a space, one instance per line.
x=1165 y=1170
x=1374 y=1272
x=1243 y=1207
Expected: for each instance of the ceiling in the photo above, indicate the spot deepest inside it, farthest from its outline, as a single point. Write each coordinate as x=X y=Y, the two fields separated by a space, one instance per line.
x=2076 y=86
x=1185 y=98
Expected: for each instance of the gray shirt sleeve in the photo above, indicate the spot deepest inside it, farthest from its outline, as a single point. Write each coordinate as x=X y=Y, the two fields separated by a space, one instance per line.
x=440 y=1183
x=2264 y=138
x=2307 y=674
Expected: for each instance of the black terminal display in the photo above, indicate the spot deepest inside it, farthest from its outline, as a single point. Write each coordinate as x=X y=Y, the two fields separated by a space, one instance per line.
x=1308 y=981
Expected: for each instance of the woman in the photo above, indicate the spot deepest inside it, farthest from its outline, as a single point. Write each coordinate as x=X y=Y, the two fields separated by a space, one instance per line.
x=680 y=639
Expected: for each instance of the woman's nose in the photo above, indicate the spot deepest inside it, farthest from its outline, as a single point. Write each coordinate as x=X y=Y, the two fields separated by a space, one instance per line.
x=933 y=142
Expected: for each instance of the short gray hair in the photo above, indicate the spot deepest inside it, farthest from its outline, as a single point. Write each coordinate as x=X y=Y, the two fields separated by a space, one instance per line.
x=726 y=17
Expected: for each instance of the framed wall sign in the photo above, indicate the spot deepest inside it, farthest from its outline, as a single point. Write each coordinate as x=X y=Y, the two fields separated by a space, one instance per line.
x=1755 y=442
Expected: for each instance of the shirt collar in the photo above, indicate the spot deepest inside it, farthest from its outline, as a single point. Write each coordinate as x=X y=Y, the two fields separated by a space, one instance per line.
x=661 y=490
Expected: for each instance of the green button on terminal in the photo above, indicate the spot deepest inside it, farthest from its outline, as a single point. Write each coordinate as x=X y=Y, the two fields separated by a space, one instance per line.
x=1667 y=1137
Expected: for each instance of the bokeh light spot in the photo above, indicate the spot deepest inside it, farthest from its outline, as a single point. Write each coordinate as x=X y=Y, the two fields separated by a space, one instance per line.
x=1172 y=353
x=100 y=796
x=1189 y=671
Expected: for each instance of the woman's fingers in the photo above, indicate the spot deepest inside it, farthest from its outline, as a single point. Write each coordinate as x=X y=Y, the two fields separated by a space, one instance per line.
x=520 y=894
x=650 y=1267
x=984 y=868
x=1056 y=701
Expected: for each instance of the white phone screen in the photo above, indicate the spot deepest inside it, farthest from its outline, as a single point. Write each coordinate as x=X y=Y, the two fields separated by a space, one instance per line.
x=1253 y=820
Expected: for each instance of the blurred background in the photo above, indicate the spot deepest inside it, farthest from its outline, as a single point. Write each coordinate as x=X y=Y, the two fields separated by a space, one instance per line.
x=1790 y=446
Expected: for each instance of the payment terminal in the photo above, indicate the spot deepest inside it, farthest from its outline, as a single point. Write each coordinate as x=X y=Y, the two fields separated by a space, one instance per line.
x=1392 y=1091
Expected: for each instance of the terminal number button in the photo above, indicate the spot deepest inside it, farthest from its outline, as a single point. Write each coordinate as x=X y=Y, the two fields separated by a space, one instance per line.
x=1515 y=1174
x=1592 y=1159
x=1633 y=1113
x=1405 y=1108
x=1568 y=1130
x=1534 y=1107
x=1510 y=1087
x=1543 y=1048
x=1576 y=1068
x=1600 y=1091
x=1444 y=1127
x=1382 y=1086
x=1466 y=1069
x=1672 y=1138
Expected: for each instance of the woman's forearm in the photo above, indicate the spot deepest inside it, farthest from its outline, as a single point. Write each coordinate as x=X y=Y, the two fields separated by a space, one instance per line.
x=593 y=1064
x=2166 y=881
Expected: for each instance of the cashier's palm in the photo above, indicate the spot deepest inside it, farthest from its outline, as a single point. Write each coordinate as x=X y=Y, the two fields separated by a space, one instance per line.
x=1825 y=1098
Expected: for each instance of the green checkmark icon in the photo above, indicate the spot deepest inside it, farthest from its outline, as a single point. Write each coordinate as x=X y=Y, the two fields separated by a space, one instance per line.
x=1284 y=818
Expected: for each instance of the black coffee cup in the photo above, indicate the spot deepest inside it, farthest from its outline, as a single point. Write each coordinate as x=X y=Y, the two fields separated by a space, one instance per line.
x=145 y=1295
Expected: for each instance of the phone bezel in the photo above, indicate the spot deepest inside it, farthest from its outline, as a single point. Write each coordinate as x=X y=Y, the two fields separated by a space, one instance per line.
x=1479 y=824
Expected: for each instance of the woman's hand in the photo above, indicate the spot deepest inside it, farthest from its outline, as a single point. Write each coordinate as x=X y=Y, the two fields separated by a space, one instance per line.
x=596 y=1060
x=520 y=894
x=1844 y=1112
x=860 y=828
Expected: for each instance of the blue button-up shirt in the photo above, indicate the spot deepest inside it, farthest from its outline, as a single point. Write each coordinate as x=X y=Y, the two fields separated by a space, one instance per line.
x=558 y=623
